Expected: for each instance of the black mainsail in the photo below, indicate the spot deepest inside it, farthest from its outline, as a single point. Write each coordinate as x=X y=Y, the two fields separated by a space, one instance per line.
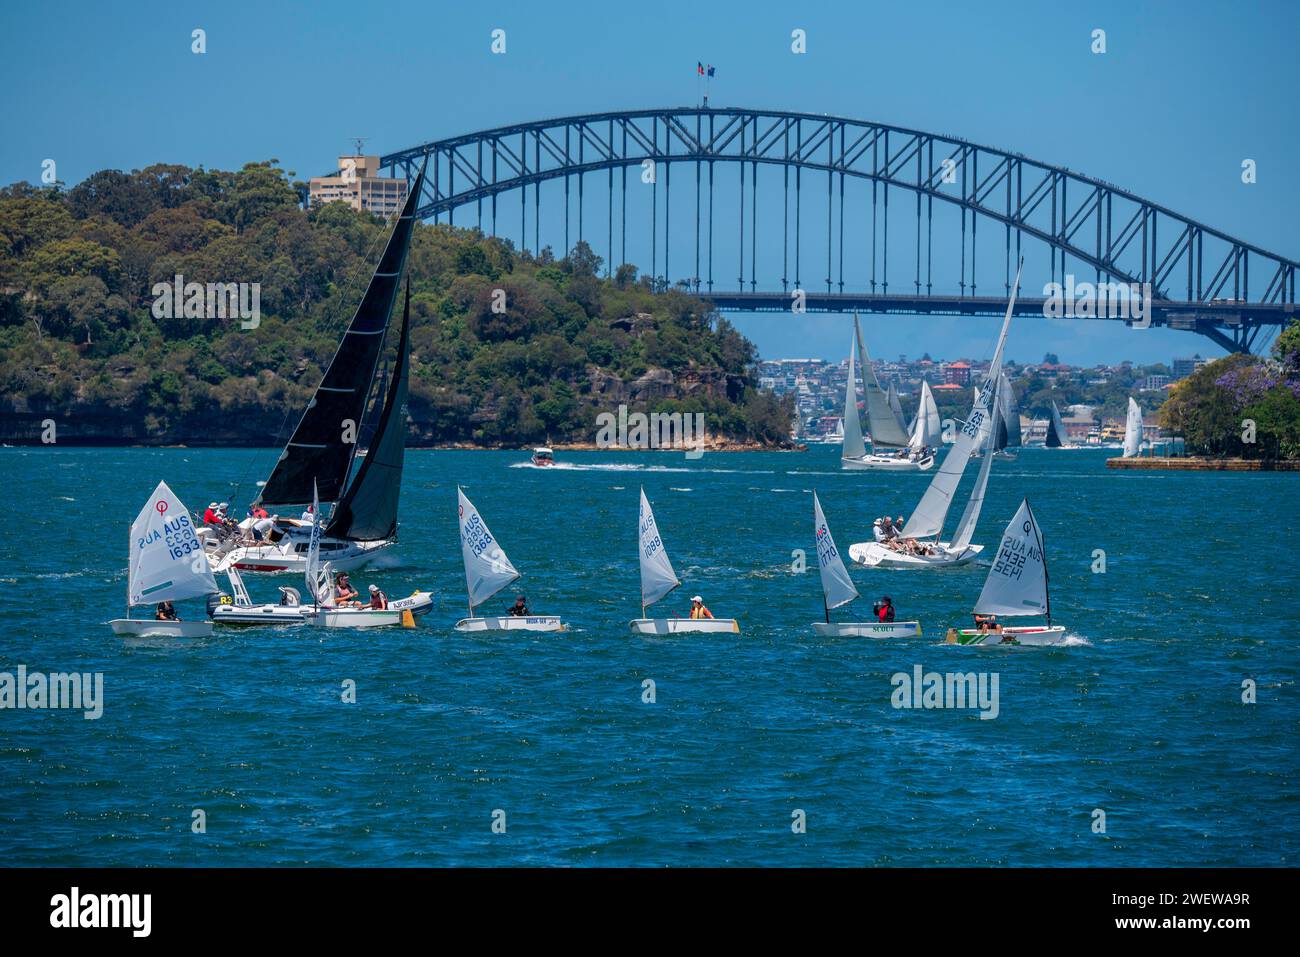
x=1008 y=421
x=1055 y=437
x=368 y=509
x=319 y=449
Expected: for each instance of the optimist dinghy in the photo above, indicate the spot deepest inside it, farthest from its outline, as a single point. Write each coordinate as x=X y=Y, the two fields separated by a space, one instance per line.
x=838 y=590
x=167 y=565
x=928 y=518
x=1016 y=586
x=487 y=571
x=658 y=579
x=324 y=612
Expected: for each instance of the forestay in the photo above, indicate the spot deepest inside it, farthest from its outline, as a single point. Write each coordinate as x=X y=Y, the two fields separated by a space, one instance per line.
x=837 y=586
x=971 y=516
x=167 y=559
x=1017 y=582
x=657 y=575
x=487 y=569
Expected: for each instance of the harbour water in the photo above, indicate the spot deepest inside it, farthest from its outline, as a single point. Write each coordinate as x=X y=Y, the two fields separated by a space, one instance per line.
x=1141 y=716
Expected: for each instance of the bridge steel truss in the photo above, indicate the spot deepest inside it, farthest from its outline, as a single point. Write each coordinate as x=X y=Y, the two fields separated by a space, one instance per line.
x=1201 y=279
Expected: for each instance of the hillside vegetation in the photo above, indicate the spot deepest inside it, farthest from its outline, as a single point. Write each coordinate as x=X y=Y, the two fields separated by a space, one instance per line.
x=79 y=343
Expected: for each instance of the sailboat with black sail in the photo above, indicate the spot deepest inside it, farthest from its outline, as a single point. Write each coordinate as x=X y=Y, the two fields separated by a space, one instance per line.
x=323 y=449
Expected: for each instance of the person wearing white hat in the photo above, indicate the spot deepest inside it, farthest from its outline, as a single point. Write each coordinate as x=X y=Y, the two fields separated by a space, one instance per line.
x=378 y=600
x=878 y=530
x=210 y=515
x=697 y=608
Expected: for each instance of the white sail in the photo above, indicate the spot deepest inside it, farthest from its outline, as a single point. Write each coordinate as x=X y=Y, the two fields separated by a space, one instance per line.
x=881 y=423
x=1009 y=434
x=897 y=408
x=167 y=560
x=928 y=517
x=926 y=430
x=487 y=569
x=854 y=447
x=657 y=575
x=971 y=516
x=1017 y=582
x=837 y=586
x=1133 y=429
x=318 y=589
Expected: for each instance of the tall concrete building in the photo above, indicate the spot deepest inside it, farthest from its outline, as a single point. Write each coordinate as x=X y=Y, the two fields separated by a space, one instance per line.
x=360 y=186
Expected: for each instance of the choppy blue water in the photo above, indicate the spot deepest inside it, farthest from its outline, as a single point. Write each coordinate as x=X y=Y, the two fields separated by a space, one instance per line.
x=1142 y=717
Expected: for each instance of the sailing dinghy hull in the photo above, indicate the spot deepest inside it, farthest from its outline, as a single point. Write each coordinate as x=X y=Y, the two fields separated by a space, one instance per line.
x=876 y=555
x=673 y=626
x=512 y=623
x=143 y=628
x=867 y=629
x=886 y=463
x=1010 y=635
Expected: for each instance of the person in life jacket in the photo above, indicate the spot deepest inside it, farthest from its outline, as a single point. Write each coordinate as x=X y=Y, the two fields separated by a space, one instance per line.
x=885 y=610
x=378 y=599
x=697 y=608
x=520 y=608
x=344 y=593
x=987 y=623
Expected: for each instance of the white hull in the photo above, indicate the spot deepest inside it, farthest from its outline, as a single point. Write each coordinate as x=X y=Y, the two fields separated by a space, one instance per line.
x=512 y=623
x=144 y=628
x=250 y=615
x=352 y=617
x=284 y=557
x=1010 y=635
x=672 y=626
x=886 y=463
x=867 y=629
x=876 y=555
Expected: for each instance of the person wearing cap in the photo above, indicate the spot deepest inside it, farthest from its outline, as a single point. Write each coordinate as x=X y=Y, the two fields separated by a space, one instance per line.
x=378 y=600
x=520 y=608
x=697 y=608
x=878 y=530
x=344 y=593
x=885 y=610
x=308 y=515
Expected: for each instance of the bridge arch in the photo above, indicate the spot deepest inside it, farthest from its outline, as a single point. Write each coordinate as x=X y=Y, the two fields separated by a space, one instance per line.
x=1201 y=278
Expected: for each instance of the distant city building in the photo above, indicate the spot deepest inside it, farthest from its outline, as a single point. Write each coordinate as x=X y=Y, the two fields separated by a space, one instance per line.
x=957 y=373
x=1182 y=368
x=1152 y=383
x=360 y=186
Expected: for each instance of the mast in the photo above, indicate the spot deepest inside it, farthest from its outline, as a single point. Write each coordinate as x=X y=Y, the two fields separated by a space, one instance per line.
x=318 y=450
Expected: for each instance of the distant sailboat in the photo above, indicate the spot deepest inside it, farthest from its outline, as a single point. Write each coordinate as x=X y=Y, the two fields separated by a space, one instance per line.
x=838 y=590
x=928 y=517
x=1133 y=429
x=891 y=447
x=1017 y=585
x=926 y=430
x=167 y=564
x=487 y=571
x=1056 y=433
x=1007 y=436
x=323 y=450
x=658 y=579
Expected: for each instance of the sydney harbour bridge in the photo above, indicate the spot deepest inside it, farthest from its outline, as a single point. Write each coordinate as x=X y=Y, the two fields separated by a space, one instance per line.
x=755 y=208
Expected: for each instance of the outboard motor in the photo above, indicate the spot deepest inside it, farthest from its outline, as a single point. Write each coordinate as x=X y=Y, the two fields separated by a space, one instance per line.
x=290 y=597
x=217 y=600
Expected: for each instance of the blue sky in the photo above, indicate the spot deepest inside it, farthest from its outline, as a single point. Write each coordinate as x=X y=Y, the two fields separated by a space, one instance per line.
x=1184 y=92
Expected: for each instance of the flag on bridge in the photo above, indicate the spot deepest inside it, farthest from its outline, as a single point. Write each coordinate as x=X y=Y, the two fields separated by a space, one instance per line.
x=710 y=69
x=699 y=68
